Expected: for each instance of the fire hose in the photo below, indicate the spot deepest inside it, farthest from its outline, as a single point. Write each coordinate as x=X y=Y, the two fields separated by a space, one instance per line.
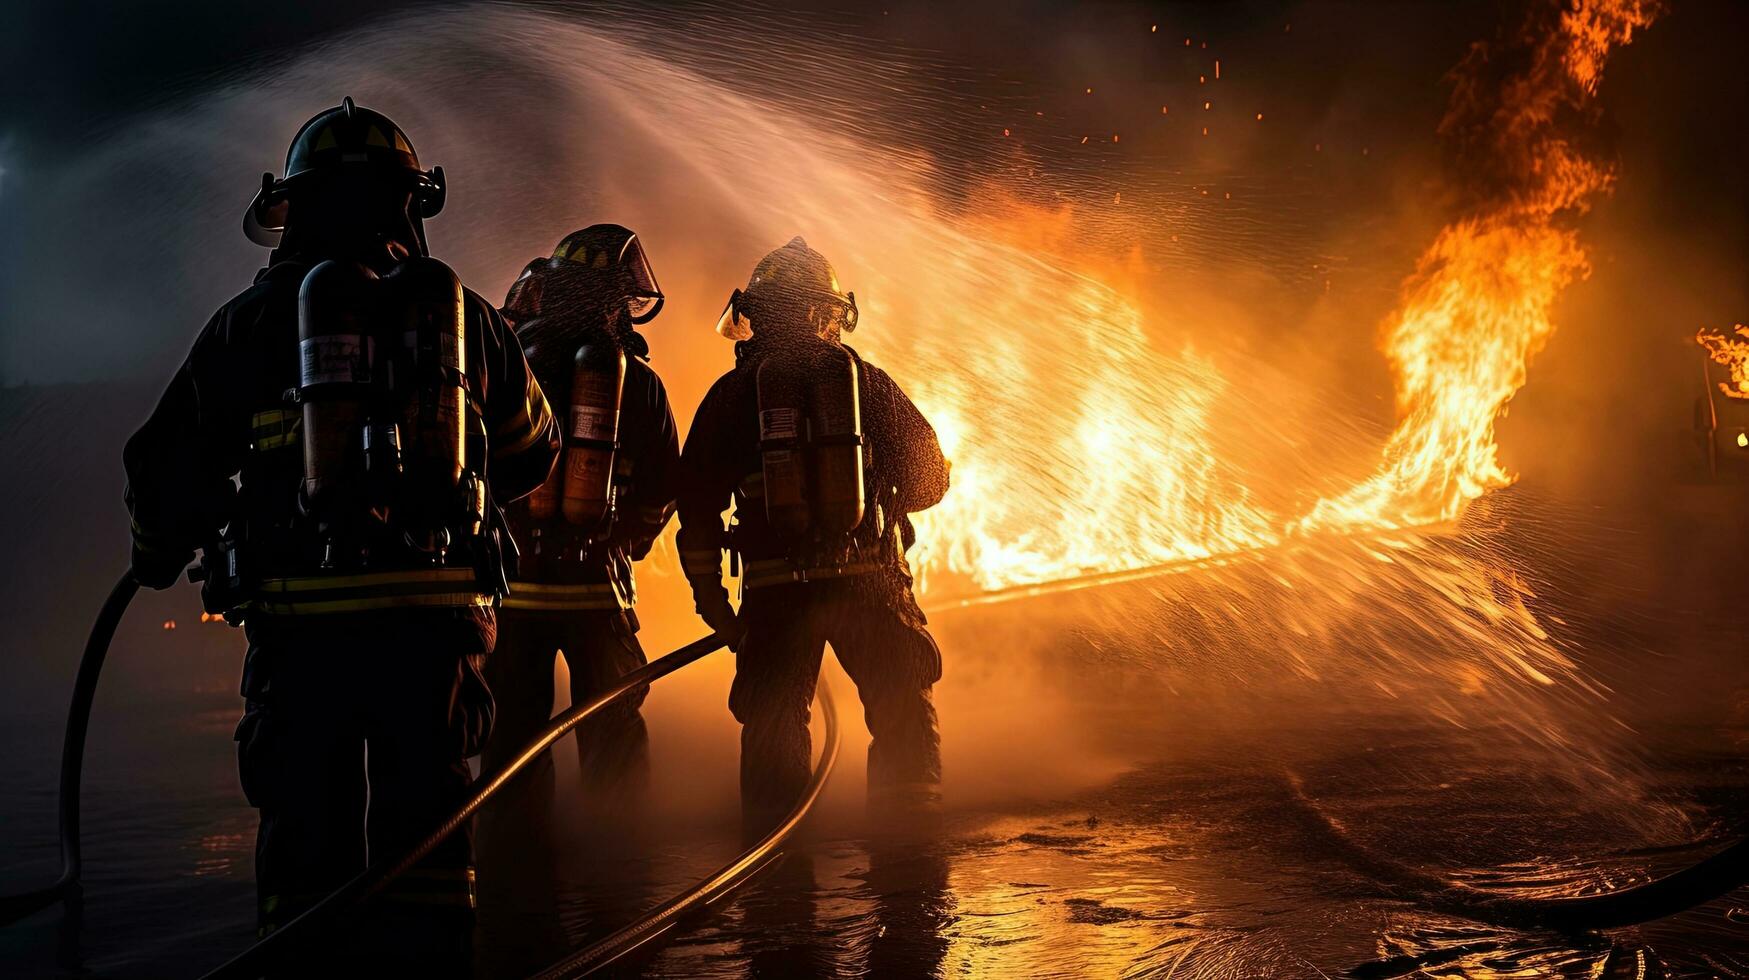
x=373 y=879
x=1710 y=878
x=658 y=921
x=15 y=907
x=1684 y=889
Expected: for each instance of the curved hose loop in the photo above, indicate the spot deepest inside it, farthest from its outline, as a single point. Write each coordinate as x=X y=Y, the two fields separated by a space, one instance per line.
x=658 y=921
x=15 y=907
x=1679 y=891
x=373 y=879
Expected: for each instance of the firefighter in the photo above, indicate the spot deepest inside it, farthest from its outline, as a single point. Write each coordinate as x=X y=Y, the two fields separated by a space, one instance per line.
x=601 y=510
x=824 y=459
x=337 y=444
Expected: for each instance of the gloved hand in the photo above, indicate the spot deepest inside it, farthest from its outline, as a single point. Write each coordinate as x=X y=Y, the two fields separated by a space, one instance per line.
x=714 y=608
x=158 y=569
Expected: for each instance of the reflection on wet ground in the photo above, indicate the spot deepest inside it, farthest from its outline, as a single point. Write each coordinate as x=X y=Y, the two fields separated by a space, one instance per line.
x=1206 y=871
x=1203 y=866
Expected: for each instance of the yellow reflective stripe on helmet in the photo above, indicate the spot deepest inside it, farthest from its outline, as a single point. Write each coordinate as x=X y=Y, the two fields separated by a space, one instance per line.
x=777 y=571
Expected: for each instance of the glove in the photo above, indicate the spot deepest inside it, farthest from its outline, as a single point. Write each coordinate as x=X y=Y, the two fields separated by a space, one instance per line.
x=158 y=569
x=714 y=608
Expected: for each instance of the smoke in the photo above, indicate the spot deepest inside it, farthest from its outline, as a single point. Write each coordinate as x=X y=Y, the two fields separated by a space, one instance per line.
x=1218 y=315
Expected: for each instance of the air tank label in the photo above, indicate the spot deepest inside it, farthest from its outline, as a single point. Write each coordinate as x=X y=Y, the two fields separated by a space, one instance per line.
x=779 y=423
x=335 y=359
x=591 y=423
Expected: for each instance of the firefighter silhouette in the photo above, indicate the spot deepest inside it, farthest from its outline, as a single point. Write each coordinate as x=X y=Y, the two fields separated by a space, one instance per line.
x=600 y=510
x=337 y=444
x=824 y=459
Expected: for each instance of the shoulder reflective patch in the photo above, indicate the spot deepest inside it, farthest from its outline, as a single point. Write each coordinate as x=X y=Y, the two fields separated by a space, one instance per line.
x=276 y=428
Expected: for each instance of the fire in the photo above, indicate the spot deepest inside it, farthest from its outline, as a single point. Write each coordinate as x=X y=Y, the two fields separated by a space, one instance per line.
x=1477 y=309
x=1732 y=351
x=1077 y=447
x=1094 y=468
x=1081 y=440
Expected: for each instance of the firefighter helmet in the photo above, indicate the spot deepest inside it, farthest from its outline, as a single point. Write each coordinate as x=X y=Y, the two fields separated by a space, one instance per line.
x=343 y=139
x=608 y=261
x=796 y=279
x=601 y=264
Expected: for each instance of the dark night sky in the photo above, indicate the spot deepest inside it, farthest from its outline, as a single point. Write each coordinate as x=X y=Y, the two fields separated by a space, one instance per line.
x=1352 y=75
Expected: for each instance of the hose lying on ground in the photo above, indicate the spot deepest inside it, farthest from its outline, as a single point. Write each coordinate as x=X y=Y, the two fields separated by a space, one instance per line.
x=15 y=907
x=726 y=879
x=373 y=879
x=1712 y=877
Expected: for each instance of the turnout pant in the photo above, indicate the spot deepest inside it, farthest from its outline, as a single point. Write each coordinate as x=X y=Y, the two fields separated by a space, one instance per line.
x=878 y=633
x=599 y=648
x=353 y=745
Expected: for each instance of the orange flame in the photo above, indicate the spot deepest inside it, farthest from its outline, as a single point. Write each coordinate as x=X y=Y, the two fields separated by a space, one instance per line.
x=1731 y=350
x=1477 y=308
x=1045 y=466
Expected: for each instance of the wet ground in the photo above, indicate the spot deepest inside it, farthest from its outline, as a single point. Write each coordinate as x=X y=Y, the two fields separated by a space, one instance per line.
x=1196 y=863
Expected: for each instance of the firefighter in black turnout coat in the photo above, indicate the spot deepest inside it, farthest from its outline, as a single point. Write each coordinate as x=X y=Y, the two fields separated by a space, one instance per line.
x=337 y=444
x=824 y=458
x=601 y=509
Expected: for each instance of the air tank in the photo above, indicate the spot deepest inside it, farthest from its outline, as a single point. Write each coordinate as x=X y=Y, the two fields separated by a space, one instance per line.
x=336 y=307
x=592 y=434
x=783 y=417
x=835 y=441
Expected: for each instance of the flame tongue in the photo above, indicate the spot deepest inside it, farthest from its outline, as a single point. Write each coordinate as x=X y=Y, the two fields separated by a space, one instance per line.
x=1139 y=484
x=1477 y=308
x=1730 y=349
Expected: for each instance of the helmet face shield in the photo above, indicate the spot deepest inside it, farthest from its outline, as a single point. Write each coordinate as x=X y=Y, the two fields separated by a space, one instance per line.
x=523 y=300
x=734 y=323
x=831 y=315
x=643 y=296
